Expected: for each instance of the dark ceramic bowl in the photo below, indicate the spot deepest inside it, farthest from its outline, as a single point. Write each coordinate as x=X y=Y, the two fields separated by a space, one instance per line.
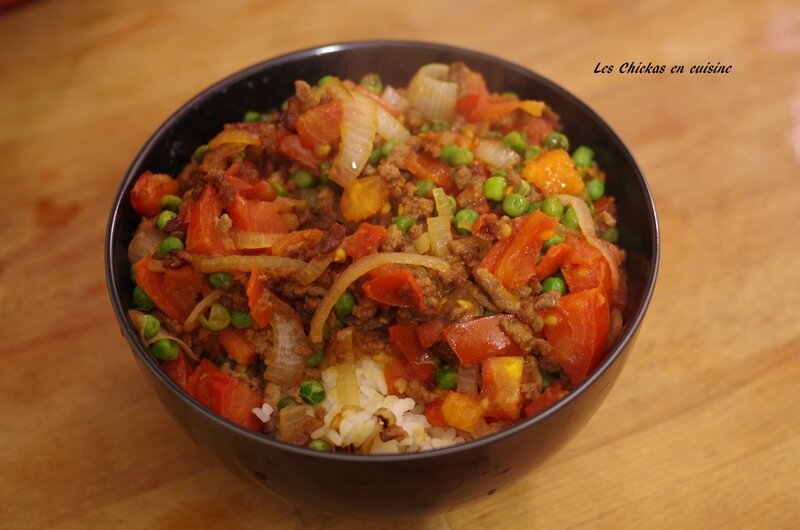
x=398 y=485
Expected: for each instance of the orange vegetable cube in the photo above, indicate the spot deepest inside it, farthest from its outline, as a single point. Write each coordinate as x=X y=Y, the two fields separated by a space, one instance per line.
x=553 y=172
x=501 y=389
x=364 y=198
x=462 y=411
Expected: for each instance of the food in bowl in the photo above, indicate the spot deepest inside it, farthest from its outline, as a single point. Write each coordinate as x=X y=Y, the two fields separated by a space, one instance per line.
x=376 y=269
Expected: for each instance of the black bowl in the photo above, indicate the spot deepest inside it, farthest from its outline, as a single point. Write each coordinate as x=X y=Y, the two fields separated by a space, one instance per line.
x=397 y=485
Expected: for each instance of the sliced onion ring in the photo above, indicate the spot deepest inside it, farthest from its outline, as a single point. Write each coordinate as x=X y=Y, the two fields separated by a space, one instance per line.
x=432 y=93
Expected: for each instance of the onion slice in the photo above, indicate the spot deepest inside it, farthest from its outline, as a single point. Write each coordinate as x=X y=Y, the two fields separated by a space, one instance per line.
x=247 y=263
x=422 y=243
x=292 y=419
x=145 y=241
x=589 y=231
x=346 y=383
x=432 y=93
x=394 y=98
x=290 y=348
x=314 y=269
x=468 y=379
x=205 y=303
x=358 y=269
x=254 y=240
x=359 y=124
x=443 y=207
x=387 y=125
x=440 y=235
x=495 y=153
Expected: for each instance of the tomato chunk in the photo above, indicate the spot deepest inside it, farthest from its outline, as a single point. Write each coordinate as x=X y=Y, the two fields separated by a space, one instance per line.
x=433 y=413
x=257 y=216
x=224 y=394
x=394 y=287
x=202 y=236
x=577 y=329
x=153 y=284
x=291 y=147
x=404 y=341
x=364 y=198
x=258 y=301
x=479 y=339
x=318 y=128
x=425 y=167
x=365 y=240
x=429 y=333
x=185 y=287
x=541 y=401
x=237 y=346
x=149 y=189
x=178 y=369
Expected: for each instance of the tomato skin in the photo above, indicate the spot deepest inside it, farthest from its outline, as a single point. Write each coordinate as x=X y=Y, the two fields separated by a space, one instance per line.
x=256 y=216
x=474 y=96
x=261 y=310
x=261 y=190
x=404 y=341
x=395 y=369
x=429 y=333
x=153 y=284
x=480 y=338
x=224 y=394
x=425 y=167
x=539 y=402
x=237 y=346
x=291 y=147
x=433 y=413
x=365 y=240
x=149 y=189
x=202 y=236
x=185 y=287
x=394 y=287
x=552 y=260
x=318 y=128
x=178 y=369
x=577 y=329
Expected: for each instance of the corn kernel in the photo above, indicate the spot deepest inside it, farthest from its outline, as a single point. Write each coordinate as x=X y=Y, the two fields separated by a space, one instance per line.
x=466 y=304
x=551 y=319
x=505 y=231
x=386 y=208
x=340 y=255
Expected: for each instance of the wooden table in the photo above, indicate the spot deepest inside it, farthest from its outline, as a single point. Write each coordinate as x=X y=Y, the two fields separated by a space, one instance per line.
x=702 y=429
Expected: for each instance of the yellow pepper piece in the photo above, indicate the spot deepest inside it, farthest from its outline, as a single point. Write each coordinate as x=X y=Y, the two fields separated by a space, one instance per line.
x=364 y=198
x=553 y=172
x=462 y=411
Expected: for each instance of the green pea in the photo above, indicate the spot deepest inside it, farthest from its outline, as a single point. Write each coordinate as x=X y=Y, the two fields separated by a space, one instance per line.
x=344 y=305
x=424 y=188
x=552 y=206
x=170 y=202
x=611 y=235
x=555 y=140
x=324 y=168
x=440 y=126
x=554 y=283
x=595 y=188
x=151 y=326
x=570 y=218
x=324 y=80
x=252 y=116
x=532 y=152
x=165 y=217
x=404 y=222
x=375 y=156
x=517 y=141
x=221 y=280
x=241 y=320
x=464 y=220
x=582 y=156
x=524 y=188
x=218 y=318
x=320 y=445
x=200 y=152
x=386 y=148
x=165 y=349
x=502 y=173
x=456 y=156
x=535 y=206
x=446 y=377
x=141 y=300
x=373 y=83
x=494 y=188
x=312 y=392
x=285 y=401
x=553 y=241
x=169 y=243
x=515 y=205
x=488 y=312
x=315 y=359
x=279 y=190
x=452 y=202
x=303 y=179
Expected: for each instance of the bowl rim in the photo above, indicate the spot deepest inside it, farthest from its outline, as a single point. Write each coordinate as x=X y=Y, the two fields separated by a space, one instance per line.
x=299 y=55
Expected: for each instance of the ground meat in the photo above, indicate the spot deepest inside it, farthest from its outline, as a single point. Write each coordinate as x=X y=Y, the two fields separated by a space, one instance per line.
x=394 y=179
x=530 y=315
x=547 y=300
x=502 y=297
x=393 y=432
x=392 y=240
x=604 y=221
x=414 y=206
x=417 y=391
x=176 y=258
x=413 y=118
x=363 y=311
x=467 y=249
x=523 y=335
x=333 y=238
x=472 y=197
x=462 y=176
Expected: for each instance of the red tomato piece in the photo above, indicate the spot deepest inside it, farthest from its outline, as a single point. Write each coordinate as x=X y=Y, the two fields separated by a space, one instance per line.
x=184 y=287
x=586 y=267
x=153 y=284
x=224 y=394
x=364 y=241
x=404 y=341
x=539 y=402
x=149 y=189
x=518 y=264
x=257 y=216
x=261 y=309
x=178 y=369
x=197 y=383
x=261 y=189
x=395 y=287
x=474 y=96
x=429 y=333
x=577 y=329
x=237 y=346
x=202 y=236
x=292 y=148
x=433 y=413
x=552 y=260
x=393 y=370
x=425 y=167
x=318 y=128
x=479 y=339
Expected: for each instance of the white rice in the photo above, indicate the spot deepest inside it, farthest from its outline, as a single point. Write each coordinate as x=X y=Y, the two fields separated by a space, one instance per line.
x=357 y=425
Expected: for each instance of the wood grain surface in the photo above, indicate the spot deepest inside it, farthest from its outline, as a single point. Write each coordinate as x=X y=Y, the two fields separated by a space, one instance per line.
x=701 y=431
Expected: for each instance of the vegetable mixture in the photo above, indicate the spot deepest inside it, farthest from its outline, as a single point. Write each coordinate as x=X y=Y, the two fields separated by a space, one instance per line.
x=377 y=269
